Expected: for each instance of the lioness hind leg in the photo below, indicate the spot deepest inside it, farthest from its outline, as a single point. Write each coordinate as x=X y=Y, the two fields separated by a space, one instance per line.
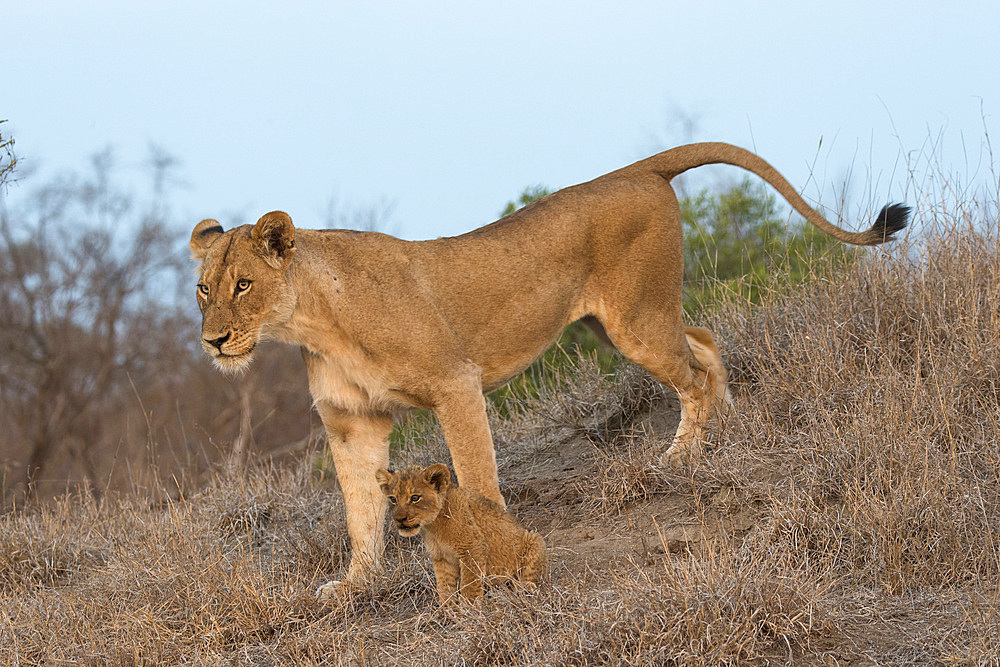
x=703 y=346
x=663 y=351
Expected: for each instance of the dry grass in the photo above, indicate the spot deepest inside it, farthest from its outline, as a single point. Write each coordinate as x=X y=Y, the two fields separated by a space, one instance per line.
x=873 y=431
x=848 y=516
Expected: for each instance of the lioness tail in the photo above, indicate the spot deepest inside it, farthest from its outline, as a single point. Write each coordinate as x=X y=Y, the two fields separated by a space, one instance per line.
x=668 y=164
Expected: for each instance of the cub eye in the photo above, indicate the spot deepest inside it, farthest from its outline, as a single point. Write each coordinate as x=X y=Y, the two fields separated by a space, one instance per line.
x=392 y=499
x=414 y=498
x=203 y=289
x=242 y=285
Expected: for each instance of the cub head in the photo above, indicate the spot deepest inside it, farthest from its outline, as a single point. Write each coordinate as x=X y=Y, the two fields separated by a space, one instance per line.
x=416 y=494
x=243 y=285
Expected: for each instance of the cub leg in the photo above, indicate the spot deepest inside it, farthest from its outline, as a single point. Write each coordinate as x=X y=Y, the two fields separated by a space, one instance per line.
x=360 y=447
x=471 y=565
x=446 y=574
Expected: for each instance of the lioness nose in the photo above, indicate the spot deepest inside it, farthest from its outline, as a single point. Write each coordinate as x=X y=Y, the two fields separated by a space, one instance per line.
x=217 y=343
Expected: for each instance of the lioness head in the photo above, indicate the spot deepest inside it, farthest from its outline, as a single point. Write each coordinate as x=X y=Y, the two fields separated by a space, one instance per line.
x=417 y=495
x=243 y=285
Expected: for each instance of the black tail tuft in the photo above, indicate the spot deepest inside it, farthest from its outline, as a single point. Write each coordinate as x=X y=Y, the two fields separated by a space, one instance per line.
x=891 y=219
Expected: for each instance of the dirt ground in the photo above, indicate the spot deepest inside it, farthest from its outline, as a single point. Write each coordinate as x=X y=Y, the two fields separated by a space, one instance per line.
x=553 y=489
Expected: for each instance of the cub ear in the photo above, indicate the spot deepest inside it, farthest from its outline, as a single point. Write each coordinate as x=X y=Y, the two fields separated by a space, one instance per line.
x=204 y=235
x=438 y=475
x=384 y=478
x=273 y=237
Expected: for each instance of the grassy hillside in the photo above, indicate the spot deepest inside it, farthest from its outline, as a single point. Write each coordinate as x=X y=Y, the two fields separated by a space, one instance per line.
x=847 y=515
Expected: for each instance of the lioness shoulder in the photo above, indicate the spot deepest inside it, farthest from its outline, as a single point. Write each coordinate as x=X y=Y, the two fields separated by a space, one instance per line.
x=469 y=538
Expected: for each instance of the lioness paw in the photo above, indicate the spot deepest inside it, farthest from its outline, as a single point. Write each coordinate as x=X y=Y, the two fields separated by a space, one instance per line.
x=681 y=453
x=333 y=590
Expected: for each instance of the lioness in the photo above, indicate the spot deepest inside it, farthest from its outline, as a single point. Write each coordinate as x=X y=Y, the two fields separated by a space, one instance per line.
x=467 y=536
x=386 y=324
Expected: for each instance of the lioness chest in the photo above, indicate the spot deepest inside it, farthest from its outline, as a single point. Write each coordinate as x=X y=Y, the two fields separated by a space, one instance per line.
x=353 y=383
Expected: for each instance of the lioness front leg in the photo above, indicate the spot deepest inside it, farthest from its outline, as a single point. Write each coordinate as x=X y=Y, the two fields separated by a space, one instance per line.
x=462 y=414
x=360 y=447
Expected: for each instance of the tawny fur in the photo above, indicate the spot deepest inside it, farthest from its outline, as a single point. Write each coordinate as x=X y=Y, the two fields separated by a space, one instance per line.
x=703 y=346
x=386 y=324
x=470 y=539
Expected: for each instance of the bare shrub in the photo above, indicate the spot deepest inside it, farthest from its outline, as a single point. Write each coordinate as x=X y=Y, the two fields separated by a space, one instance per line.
x=8 y=162
x=76 y=327
x=102 y=382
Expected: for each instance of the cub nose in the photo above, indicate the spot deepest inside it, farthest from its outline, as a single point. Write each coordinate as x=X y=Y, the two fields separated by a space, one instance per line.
x=217 y=343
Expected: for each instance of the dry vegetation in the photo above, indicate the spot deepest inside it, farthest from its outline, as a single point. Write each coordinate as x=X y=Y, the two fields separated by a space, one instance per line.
x=101 y=381
x=847 y=516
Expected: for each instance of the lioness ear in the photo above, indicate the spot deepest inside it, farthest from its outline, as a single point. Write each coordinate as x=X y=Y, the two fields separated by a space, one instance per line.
x=438 y=475
x=273 y=238
x=384 y=478
x=204 y=235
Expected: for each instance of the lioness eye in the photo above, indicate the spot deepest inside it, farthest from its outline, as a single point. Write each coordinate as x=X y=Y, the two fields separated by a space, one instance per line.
x=203 y=289
x=392 y=499
x=242 y=285
x=414 y=498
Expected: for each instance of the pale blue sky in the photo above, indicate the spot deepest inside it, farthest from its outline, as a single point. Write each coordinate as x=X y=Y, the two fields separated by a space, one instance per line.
x=447 y=110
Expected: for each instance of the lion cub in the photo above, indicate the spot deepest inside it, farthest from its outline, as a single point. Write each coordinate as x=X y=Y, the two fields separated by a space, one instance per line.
x=467 y=536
